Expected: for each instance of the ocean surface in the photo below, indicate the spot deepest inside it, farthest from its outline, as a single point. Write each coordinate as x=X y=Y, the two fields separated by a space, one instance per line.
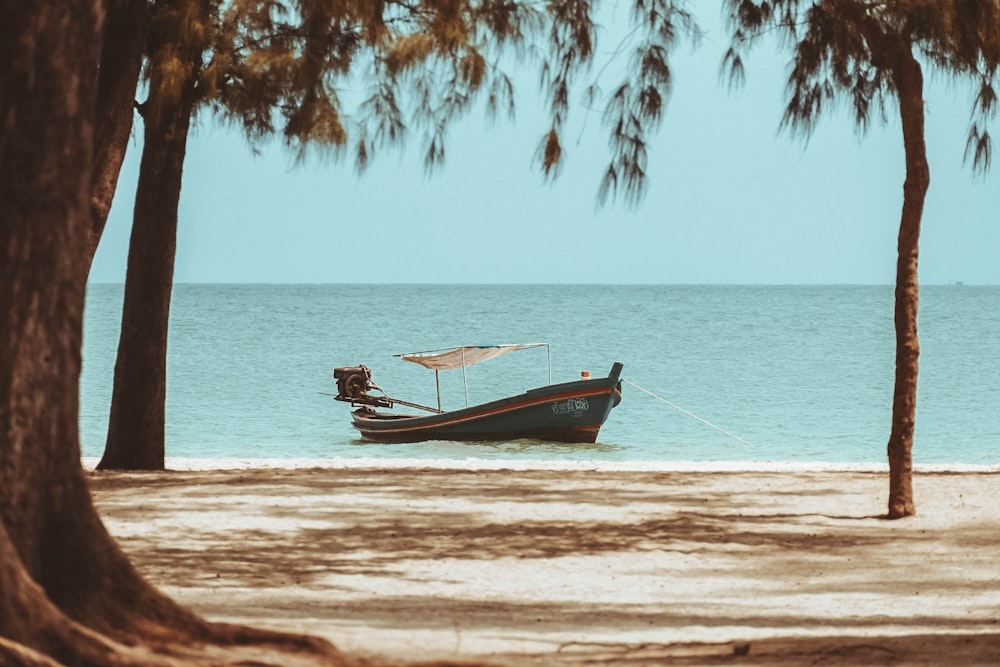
x=796 y=374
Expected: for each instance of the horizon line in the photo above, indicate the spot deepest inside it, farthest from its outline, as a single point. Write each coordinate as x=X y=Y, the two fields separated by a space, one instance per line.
x=958 y=283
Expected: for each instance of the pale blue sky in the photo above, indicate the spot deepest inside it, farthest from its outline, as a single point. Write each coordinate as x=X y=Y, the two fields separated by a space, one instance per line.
x=730 y=200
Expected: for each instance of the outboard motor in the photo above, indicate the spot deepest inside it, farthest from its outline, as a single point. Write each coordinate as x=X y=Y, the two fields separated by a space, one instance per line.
x=352 y=381
x=353 y=385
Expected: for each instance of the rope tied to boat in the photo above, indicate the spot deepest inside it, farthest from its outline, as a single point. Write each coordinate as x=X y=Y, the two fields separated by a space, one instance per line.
x=690 y=414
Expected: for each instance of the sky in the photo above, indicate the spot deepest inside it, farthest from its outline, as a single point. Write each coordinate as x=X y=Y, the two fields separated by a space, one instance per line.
x=730 y=200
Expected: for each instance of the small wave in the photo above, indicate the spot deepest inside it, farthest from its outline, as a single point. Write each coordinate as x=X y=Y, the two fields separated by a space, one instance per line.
x=204 y=464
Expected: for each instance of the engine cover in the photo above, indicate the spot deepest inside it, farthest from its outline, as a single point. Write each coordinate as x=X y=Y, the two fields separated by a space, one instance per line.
x=353 y=382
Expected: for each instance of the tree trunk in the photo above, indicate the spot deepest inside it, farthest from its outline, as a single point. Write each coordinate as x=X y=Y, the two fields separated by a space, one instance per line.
x=67 y=592
x=908 y=79
x=118 y=76
x=45 y=144
x=57 y=563
x=136 y=437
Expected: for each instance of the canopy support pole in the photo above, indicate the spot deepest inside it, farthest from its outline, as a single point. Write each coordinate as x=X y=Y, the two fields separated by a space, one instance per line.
x=465 y=379
x=548 y=354
x=437 y=381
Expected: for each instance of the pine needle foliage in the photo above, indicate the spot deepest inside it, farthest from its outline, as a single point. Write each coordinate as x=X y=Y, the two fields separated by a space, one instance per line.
x=843 y=50
x=293 y=68
x=437 y=59
x=181 y=31
x=636 y=106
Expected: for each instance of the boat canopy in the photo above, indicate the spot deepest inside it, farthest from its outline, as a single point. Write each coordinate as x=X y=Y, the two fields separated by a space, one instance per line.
x=466 y=355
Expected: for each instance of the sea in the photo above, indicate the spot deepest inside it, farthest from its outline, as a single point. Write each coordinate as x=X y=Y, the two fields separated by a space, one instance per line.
x=712 y=373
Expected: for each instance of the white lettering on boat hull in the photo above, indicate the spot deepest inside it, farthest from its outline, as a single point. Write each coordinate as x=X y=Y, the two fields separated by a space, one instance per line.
x=570 y=405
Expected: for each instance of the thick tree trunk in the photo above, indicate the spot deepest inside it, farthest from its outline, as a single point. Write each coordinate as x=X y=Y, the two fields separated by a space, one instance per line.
x=45 y=144
x=52 y=545
x=118 y=76
x=67 y=592
x=136 y=429
x=908 y=79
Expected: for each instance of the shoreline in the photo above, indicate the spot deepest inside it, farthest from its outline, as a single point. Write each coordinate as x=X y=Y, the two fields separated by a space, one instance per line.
x=180 y=464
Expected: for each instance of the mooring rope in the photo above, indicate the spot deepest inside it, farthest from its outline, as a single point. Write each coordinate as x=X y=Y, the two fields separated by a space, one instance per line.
x=689 y=413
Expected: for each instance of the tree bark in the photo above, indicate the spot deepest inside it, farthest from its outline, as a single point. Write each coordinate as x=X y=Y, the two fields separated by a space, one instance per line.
x=908 y=79
x=136 y=429
x=121 y=61
x=68 y=595
x=48 y=527
x=45 y=145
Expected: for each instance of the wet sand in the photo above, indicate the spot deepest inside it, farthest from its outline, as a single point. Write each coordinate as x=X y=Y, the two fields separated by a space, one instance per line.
x=525 y=564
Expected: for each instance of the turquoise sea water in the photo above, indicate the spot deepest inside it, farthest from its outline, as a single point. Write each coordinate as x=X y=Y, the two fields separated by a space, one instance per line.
x=802 y=373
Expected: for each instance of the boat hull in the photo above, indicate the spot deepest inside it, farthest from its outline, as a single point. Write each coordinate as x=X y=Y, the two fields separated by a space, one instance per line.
x=567 y=412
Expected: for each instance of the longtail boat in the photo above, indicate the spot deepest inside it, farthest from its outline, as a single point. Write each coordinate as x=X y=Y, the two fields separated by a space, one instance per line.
x=564 y=412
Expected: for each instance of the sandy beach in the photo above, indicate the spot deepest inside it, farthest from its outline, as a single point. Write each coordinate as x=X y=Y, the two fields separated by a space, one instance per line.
x=577 y=564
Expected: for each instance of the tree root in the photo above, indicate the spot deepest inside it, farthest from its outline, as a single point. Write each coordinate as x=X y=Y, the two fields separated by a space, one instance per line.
x=143 y=629
x=19 y=655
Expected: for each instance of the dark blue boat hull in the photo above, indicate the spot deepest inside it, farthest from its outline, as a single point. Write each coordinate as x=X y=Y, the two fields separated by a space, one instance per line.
x=567 y=412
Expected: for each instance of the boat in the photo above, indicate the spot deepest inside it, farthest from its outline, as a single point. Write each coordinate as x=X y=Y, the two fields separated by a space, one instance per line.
x=570 y=412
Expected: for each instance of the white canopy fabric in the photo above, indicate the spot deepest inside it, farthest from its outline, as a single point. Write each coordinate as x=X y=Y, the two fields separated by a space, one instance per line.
x=467 y=355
